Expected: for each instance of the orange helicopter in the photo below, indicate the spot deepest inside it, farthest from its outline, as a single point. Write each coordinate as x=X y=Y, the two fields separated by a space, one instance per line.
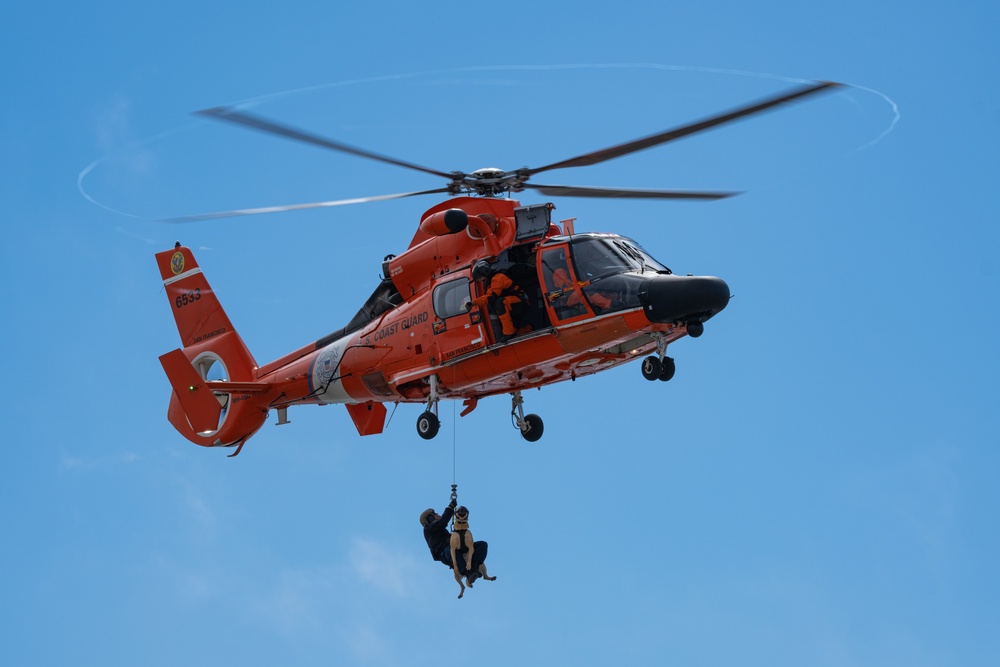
x=582 y=303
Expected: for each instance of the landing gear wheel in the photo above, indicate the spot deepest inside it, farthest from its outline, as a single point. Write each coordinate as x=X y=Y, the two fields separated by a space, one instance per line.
x=695 y=329
x=651 y=368
x=532 y=428
x=428 y=425
x=667 y=368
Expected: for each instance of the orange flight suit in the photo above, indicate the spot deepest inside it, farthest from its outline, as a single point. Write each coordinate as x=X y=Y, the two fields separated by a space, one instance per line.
x=499 y=285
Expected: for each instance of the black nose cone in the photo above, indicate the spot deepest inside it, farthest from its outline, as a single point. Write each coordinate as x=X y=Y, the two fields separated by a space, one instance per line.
x=684 y=298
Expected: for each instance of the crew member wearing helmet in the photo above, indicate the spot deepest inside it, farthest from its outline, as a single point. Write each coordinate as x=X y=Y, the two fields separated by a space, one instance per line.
x=438 y=538
x=502 y=297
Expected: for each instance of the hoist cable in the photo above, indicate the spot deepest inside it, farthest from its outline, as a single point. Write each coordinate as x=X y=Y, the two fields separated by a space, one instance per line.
x=454 y=446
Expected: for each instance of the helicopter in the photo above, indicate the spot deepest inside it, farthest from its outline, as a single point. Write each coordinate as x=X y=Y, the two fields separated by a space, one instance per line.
x=588 y=302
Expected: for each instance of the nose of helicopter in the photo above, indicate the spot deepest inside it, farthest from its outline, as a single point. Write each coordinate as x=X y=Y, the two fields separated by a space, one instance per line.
x=671 y=298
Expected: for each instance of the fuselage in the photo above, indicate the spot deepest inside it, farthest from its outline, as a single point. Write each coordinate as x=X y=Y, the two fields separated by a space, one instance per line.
x=619 y=304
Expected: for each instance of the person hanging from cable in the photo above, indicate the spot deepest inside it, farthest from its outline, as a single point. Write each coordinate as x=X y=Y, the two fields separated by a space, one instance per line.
x=438 y=539
x=502 y=297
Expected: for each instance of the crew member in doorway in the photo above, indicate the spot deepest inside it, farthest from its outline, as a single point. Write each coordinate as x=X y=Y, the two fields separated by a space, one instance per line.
x=502 y=297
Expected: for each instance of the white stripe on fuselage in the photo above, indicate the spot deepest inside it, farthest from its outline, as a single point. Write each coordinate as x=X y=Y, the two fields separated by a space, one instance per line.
x=325 y=373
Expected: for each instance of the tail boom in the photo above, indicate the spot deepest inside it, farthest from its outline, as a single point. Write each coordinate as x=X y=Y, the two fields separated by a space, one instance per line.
x=220 y=395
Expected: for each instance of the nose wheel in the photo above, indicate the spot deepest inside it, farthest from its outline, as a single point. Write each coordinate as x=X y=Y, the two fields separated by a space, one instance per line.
x=651 y=368
x=660 y=366
x=530 y=426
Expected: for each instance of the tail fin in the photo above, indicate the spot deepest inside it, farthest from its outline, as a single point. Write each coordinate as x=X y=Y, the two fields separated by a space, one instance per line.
x=197 y=311
x=215 y=354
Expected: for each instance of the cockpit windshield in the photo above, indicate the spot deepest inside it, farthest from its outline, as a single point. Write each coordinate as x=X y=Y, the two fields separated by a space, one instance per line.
x=599 y=257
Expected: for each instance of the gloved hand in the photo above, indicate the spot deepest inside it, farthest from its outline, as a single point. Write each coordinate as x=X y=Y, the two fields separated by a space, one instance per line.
x=453 y=503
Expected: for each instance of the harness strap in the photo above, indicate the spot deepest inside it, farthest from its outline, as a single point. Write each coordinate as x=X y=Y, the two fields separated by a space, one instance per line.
x=513 y=290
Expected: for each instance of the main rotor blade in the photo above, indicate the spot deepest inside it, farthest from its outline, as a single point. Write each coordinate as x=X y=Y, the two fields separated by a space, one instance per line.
x=670 y=135
x=626 y=193
x=264 y=125
x=296 y=207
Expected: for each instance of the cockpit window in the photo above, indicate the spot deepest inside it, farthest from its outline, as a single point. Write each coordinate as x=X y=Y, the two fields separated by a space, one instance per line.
x=636 y=253
x=597 y=258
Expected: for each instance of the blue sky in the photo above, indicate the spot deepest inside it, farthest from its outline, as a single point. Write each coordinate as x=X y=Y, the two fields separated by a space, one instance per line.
x=815 y=486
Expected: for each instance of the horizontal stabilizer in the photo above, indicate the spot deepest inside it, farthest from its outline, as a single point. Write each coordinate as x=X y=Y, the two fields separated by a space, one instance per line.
x=239 y=387
x=200 y=405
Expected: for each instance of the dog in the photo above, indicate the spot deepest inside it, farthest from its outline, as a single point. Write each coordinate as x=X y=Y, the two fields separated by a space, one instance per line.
x=462 y=544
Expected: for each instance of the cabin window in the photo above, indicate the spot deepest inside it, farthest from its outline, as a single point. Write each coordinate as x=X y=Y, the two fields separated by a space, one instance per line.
x=450 y=298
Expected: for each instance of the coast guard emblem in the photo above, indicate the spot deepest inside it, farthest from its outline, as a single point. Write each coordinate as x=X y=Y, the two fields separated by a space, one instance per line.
x=177 y=262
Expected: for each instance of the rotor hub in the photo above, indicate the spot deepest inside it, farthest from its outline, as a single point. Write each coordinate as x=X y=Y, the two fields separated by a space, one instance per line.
x=491 y=181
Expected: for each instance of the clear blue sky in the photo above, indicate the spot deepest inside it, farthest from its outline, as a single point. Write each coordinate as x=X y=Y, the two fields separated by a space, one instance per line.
x=816 y=486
